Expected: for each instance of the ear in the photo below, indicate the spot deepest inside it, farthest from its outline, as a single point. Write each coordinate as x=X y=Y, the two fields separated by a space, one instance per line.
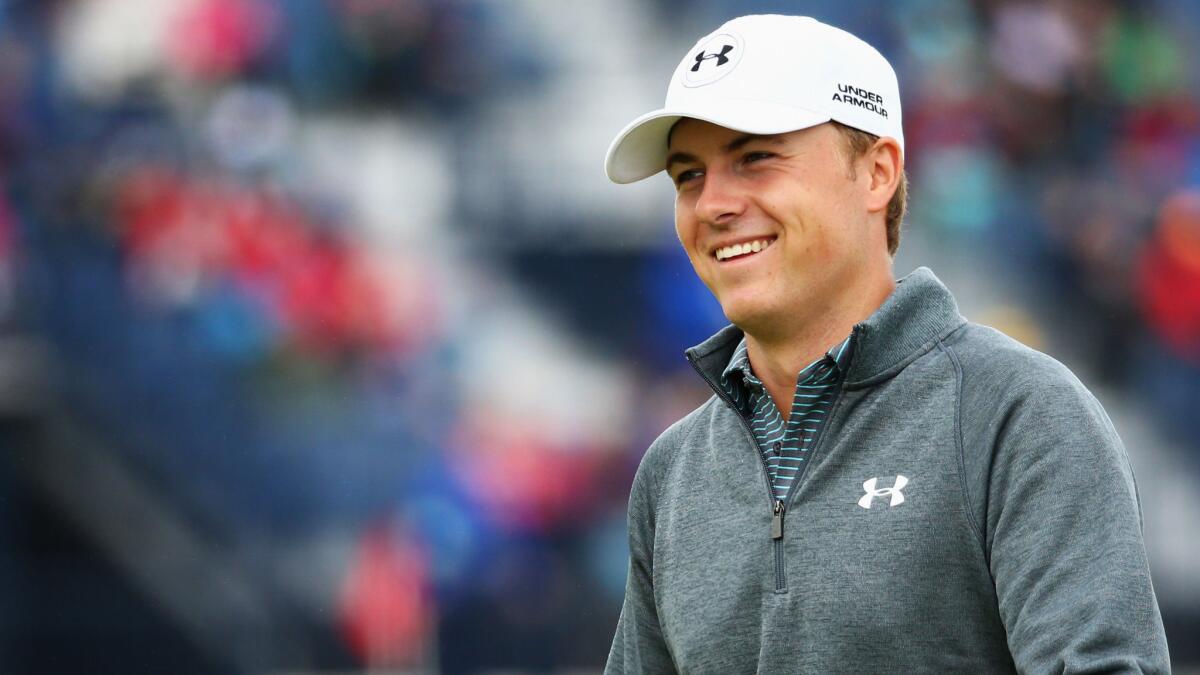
x=885 y=165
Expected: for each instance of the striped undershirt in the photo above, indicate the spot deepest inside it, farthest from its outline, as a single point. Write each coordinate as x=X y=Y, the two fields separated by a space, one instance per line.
x=785 y=445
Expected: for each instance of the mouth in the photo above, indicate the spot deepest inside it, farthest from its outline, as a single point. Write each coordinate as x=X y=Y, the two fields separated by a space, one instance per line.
x=743 y=249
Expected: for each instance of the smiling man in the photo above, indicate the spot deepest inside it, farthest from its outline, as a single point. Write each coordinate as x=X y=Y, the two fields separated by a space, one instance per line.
x=877 y=484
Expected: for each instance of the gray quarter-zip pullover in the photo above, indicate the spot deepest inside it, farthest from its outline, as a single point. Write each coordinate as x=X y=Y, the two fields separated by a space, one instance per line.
x=968 y=507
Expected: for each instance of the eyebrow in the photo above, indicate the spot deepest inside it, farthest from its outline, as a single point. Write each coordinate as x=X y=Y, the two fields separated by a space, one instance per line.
x=731 y=146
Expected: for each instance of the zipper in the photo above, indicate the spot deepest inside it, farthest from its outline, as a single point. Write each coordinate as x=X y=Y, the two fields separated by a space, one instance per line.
x=781 y=505
x=777 y=535
x=777 y=506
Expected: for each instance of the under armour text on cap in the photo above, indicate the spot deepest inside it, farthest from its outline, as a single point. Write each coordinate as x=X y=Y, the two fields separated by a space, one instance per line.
x=765 y=74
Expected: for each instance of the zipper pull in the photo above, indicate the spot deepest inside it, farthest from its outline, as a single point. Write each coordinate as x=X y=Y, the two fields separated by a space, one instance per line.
x=777 y=520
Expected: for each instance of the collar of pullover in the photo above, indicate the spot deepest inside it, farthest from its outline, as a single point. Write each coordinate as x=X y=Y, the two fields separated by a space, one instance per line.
x=918 y=313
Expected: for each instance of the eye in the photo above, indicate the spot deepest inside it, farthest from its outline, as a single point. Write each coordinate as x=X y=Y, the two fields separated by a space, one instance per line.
x=755 y=156
x=687 y=175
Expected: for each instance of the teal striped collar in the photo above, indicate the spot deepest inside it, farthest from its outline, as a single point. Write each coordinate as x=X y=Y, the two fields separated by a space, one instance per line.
x=739 y=363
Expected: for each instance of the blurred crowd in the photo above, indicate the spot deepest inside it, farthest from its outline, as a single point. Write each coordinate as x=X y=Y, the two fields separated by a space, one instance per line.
x=274 y=284
x=1063 y=137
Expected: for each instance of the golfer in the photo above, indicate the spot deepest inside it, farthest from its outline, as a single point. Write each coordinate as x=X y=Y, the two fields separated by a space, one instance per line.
x=876 y=484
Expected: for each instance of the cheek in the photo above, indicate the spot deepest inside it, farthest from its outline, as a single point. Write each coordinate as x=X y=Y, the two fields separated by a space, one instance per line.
x=686 y=235
x=685 y=231
x=801 y=217
x=683 y=226
x=824 y=221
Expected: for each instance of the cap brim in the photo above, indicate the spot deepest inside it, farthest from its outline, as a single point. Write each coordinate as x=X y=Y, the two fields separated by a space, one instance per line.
x=640 y=149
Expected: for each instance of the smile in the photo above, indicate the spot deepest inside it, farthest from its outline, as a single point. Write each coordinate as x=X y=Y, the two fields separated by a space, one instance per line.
x=743 y=249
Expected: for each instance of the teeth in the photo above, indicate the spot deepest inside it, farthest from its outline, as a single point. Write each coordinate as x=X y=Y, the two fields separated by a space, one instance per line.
x=742 y=249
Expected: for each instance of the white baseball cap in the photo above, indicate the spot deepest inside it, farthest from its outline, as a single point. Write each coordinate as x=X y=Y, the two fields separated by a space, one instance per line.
x=765 y=74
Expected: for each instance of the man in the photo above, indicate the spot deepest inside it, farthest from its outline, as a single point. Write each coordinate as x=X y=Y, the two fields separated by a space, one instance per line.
x=877 y=484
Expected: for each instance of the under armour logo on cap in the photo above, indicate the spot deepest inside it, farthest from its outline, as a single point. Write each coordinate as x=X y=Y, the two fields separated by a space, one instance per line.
x=721 y=53
x=721 y=57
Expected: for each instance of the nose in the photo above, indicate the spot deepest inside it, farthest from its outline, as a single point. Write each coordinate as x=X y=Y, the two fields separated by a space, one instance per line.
x=721 y=201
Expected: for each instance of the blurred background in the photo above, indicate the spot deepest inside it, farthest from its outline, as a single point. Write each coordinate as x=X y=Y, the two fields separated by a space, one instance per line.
x=325 y=345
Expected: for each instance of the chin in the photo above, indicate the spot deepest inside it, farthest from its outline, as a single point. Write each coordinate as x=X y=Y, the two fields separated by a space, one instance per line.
x=745 y=313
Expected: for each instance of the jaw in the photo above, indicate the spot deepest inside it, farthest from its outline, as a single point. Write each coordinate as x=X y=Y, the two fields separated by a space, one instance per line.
x=746 y=299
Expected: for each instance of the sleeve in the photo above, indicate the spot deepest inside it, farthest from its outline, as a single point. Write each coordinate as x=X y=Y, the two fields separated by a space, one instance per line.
x=638 y=646
x=1064 y=539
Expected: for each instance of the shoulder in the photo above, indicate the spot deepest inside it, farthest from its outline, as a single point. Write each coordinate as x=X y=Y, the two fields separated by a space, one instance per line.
x=985 y=350
x=1019 y=407
x=998 y=372
x=1024 y=419
x=663 y=450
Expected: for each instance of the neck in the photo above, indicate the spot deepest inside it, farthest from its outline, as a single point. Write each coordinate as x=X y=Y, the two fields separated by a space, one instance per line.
x=779 y=355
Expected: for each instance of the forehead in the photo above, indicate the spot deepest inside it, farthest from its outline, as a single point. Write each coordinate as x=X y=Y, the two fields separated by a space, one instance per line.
x=691 y=139
x=690 y=131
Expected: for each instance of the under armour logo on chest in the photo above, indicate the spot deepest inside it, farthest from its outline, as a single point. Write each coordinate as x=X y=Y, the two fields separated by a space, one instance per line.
x=722 y=57
x=873 y=492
